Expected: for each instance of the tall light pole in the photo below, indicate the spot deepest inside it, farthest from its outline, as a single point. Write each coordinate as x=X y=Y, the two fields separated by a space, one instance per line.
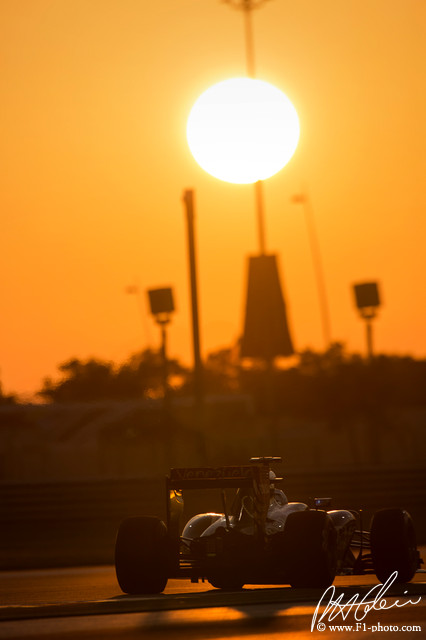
x=305 y=201
x=247 y=6
x=162 y=306
x=188 y=200
x=367 y=299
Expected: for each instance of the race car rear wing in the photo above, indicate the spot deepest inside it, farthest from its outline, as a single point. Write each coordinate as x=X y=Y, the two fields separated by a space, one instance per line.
x=219 y=478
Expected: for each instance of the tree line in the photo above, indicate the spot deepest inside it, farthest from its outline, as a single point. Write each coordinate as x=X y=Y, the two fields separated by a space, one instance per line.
x=326 y=384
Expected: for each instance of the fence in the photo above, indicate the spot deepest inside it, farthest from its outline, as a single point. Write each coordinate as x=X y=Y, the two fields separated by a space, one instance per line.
x=60 y=524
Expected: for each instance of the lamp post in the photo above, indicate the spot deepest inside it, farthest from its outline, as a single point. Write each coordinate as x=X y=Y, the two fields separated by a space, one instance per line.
x=188 y=200
x=162 y=305
x=367 y=301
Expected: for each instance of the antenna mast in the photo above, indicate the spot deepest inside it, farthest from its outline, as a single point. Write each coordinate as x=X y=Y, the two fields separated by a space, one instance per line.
x=247 y=6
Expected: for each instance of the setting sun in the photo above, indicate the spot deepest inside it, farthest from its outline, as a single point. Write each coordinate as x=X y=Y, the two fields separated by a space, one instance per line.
x=243 y=130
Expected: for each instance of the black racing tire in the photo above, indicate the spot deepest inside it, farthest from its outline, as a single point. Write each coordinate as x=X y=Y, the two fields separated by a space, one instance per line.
x=142 y=555
x=309 y=549
x=225 y=581
x=227 y=570
x=393 y=545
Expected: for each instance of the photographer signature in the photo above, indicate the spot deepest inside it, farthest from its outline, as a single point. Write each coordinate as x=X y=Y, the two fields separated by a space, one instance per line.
x=360 y=608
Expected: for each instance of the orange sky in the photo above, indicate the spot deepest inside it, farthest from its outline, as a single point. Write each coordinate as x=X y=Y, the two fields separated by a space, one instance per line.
x=94 y=100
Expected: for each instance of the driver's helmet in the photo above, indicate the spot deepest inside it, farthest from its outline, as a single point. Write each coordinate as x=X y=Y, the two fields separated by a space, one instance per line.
x=276 y=494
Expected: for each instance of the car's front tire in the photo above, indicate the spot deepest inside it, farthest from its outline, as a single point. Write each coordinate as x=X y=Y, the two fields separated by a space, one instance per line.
x=142 y=555
x=225 y=581
x=393 y=545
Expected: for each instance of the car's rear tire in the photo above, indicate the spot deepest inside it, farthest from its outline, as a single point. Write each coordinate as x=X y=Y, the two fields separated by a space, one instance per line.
x=309 y=549
x=393 y=545
x=142 y=555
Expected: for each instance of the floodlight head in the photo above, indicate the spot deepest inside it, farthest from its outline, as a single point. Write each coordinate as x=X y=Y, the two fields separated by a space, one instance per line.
x=367 y=298
x=161 y=304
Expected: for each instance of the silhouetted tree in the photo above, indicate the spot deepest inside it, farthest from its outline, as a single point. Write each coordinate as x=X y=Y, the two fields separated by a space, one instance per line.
x=338 y=386
x=81 y=381
x=141 y=376
x=222 y=372
x=6 y=399
x=333 y=385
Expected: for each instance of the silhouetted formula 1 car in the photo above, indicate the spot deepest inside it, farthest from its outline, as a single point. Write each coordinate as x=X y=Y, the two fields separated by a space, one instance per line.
x=261 y=539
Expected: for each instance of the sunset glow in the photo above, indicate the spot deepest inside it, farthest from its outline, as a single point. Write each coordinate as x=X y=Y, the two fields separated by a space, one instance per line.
x=243 y=130
x=95 y=102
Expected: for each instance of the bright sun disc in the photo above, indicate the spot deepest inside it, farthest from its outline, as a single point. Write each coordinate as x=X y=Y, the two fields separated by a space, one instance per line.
x=242 y=130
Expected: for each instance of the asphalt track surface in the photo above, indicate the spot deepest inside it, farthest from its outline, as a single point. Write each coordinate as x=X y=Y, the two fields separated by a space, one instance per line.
x=87 y=603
